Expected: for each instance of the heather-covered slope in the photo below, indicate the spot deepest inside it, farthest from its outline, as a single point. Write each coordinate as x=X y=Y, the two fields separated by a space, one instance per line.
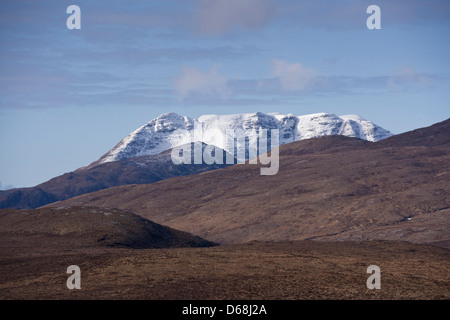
x=327 y=188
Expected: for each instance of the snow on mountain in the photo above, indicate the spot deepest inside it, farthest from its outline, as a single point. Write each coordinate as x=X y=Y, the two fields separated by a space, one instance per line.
x=152 y=138
x=170 y=130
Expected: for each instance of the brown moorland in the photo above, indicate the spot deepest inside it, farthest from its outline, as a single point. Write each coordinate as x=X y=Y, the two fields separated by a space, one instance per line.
x=257 y=270
x=38 y=246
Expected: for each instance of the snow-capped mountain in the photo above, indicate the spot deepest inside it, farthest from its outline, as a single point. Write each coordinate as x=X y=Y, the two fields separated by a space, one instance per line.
x=170 y=130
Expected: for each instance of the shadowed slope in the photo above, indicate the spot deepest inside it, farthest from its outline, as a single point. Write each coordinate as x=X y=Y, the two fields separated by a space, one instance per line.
x=69 y=228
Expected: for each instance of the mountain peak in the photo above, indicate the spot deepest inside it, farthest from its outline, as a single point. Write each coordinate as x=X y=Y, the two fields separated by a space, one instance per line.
x=353 y=117
x=169 y=115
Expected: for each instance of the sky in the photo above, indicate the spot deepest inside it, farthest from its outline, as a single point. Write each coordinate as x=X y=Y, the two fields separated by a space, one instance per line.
x=67 y=96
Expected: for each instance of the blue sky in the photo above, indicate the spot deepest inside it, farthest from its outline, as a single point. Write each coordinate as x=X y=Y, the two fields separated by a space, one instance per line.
x=68 y=96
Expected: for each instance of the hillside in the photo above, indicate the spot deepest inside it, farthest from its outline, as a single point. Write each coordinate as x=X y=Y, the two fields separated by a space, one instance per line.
x=136 y=170
x=328 y=188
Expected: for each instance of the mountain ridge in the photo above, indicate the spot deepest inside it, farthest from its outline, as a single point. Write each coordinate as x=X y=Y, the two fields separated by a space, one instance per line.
x=170 y=130
x=327 y=188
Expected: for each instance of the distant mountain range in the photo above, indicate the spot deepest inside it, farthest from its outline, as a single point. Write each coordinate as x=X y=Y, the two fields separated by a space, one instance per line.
x=327 y=188
x=144 y=157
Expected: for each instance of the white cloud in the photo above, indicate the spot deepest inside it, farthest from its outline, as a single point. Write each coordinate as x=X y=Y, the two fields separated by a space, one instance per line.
x=220 y=16
x=193 y=81
x=292 y=76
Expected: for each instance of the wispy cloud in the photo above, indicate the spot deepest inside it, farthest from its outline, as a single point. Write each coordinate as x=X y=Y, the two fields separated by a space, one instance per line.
x=338 y=15
x=292 y=79
x=194 y=81
x=42 y=64
x=213 y=17
x=406 y=76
